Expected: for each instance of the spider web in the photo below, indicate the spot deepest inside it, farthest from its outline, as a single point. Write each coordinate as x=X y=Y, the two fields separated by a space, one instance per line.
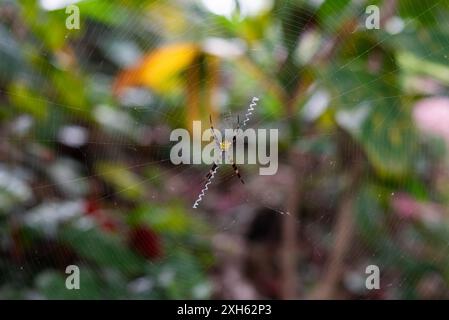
x=228 y=206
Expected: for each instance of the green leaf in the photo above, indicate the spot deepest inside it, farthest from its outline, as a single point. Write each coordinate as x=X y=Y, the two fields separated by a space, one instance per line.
x=10 y=55
x=423 y=52
x=426 y=12
x=51 y=284
x=27 y=100
x=179 y=276
x=371 y=110
x=127 y=184
x=103 y=249
x=170 y=219
x=373 y=227
x=333 y=13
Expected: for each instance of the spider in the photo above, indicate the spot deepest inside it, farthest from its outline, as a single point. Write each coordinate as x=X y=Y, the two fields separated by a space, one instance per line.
x=224 y=146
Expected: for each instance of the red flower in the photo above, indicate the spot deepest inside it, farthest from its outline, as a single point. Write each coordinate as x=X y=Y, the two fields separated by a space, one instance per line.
x=109 y=226
x=146 y=242
x=91 y=207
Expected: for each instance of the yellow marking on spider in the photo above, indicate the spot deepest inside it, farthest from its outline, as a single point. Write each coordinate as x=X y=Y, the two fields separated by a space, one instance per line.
x=224 y=146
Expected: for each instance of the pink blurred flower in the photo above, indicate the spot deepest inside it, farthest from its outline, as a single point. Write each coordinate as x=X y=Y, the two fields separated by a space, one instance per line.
x=431 y=115
x=405 y=206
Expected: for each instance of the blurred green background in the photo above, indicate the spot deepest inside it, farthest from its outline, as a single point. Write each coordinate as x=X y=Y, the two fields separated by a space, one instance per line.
x=85 y=175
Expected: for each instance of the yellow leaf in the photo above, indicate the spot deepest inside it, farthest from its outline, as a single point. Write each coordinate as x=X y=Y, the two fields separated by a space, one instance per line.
x=159 y=70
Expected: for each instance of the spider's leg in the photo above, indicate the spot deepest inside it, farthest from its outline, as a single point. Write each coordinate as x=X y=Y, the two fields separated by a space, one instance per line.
x=214 y=166
x=236 y=131
x=213 y=132
x=236 y=170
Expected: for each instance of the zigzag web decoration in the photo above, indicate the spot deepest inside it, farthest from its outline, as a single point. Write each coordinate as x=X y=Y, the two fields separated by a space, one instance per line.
x=249 y=112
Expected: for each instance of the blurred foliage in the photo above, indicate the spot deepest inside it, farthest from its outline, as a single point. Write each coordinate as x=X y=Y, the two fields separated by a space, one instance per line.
x=85 y=116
